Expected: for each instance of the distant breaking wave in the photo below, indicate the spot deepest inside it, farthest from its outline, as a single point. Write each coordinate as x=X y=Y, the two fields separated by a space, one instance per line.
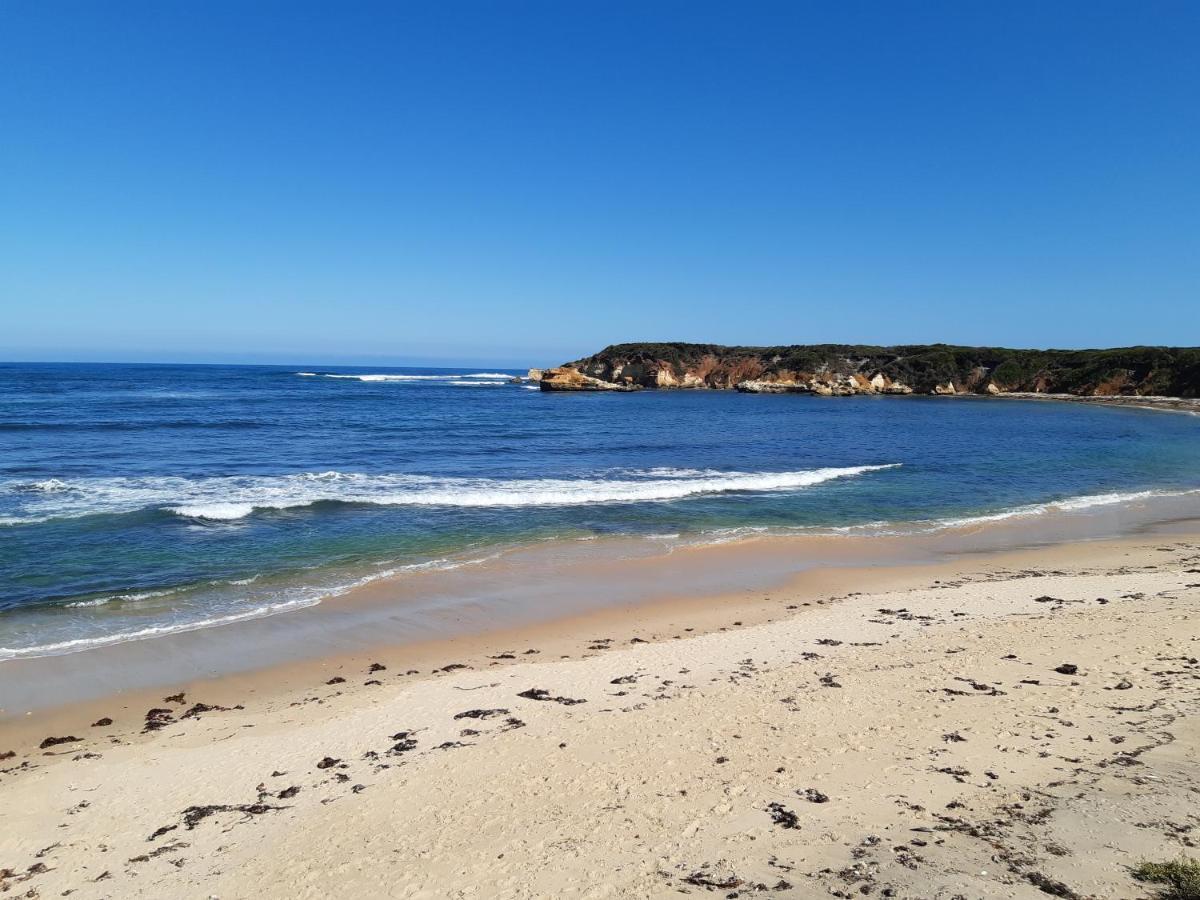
x=237 y=496
x=451 y=379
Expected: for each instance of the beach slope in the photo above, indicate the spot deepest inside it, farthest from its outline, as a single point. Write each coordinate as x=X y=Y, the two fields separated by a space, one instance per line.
x=1013 y=726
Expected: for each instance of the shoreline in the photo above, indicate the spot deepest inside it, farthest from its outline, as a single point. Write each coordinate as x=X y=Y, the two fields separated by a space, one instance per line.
x=1189 y=405
x=542 y=588
x=649 y=696
x=668 y=616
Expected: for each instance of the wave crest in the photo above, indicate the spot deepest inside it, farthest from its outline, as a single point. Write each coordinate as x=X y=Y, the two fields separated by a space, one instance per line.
x=388 y=376
x=229 y=498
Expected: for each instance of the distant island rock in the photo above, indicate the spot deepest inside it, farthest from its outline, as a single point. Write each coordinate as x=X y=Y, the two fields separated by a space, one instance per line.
x=851 y=369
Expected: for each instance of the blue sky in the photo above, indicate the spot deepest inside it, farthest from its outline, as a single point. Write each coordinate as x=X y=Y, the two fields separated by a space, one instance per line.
x=526 y=182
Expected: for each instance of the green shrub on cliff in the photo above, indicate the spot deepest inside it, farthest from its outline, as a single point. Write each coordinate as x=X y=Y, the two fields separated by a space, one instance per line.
x=1166 y=371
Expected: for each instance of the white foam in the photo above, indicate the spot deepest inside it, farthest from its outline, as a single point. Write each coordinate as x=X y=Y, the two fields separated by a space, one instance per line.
x=102 y=601
x=59 y=648
x=229 y=498
x=215 y=511
x=389 y=376
x=50 y=485
x=296 y=599
x=1069 y=504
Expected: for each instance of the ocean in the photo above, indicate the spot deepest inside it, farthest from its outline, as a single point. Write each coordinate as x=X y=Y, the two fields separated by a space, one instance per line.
x=140 y=500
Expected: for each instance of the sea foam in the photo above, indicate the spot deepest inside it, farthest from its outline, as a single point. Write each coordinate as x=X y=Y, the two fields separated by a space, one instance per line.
x=234 y=497
x=387 y=376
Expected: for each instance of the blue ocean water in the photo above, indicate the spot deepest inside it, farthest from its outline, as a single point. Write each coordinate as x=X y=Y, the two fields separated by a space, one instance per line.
x=139 y=499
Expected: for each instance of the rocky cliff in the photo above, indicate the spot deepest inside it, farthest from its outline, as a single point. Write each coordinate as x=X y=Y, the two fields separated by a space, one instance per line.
x=844 y=369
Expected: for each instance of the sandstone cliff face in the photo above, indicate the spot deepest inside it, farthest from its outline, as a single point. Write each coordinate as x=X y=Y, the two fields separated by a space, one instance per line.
x=568 y=378
x=843 y=370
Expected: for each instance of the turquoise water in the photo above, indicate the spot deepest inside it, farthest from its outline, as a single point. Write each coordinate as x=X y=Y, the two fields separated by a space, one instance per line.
x=137 y=500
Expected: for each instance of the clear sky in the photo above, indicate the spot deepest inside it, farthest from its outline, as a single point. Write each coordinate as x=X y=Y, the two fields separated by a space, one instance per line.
x=524 y=182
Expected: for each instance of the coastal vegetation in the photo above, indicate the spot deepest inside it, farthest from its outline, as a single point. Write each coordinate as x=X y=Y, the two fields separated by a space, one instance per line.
x=1180 y=878
x=908 y=368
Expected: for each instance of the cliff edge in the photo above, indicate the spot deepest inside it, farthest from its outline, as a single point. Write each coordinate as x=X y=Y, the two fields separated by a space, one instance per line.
x=846 y=369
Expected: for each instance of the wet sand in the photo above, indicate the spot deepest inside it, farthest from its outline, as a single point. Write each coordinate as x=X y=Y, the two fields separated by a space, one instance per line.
x=905 y=730
x=543 y=587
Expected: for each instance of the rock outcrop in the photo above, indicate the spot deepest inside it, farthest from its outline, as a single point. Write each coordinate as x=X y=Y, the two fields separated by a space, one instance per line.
x=568 y=378
x=845 y=369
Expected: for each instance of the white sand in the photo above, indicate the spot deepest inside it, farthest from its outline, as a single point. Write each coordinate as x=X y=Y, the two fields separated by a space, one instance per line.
x=947 y=776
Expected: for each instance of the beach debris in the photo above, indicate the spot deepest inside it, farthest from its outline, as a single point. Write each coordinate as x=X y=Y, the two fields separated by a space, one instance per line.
x=158 y=718
x=452 y=667
x=194 y=815
x=336 y=679
x=782 y=816
x=172 y=847
x=978 y=686
x=1123 y=685
x=327 y=762
x=1067 y=669
x=829 y=642
x=713 y=882
x=828 y=680
x=8 y=754
x=1048 y=885
x=404 y=742
x=504 y=656
x=624 y=679
x=198 y=708
x=542 y=694
x=376 y=667
x=481 y=713
x=55 y=741
x=288 y=793
x=953 y=737
x=9 y=877
x=174 y=698
x=102 y=723
x=958 y=773
x=812 y=795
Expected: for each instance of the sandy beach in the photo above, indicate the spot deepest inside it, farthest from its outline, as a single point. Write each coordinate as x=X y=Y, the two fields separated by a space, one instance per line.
x=1003 y=725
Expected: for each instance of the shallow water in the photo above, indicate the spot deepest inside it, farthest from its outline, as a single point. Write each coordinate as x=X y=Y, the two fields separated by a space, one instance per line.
x=140 y=500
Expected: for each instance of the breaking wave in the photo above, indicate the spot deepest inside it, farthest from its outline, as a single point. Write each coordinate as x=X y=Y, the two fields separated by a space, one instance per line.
x=237 y=496
x=384 y=376
x=1070 y=504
